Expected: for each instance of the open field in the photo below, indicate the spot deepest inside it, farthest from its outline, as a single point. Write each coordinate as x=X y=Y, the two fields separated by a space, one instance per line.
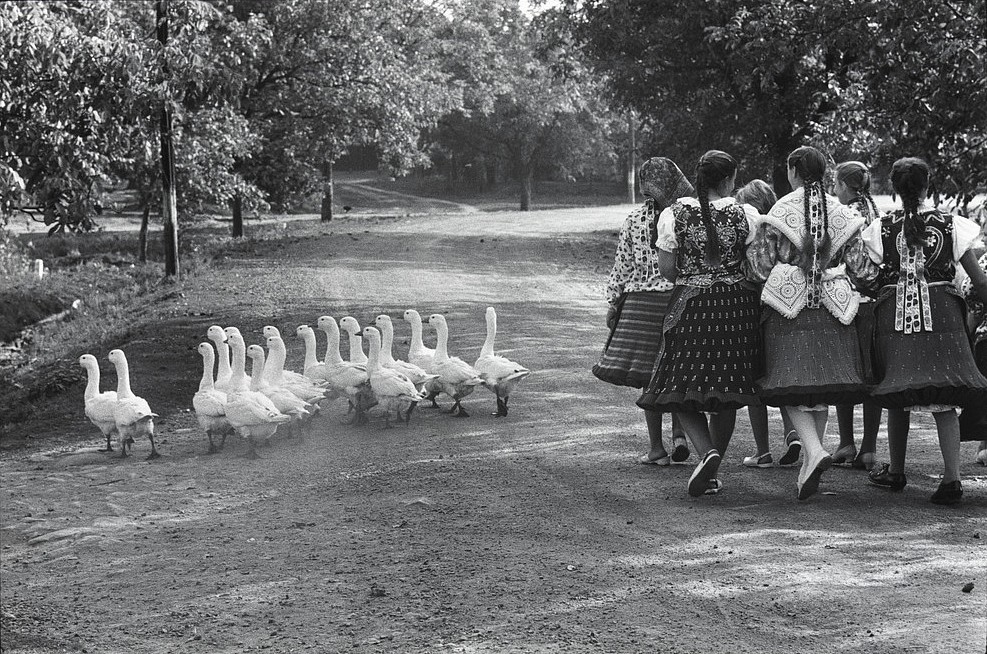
x=531 y=533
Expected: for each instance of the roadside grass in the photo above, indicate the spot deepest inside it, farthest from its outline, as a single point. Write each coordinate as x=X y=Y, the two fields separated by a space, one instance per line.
x=100 y=292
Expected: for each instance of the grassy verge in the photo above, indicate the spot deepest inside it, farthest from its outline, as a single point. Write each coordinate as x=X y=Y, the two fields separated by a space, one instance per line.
x=113 y=294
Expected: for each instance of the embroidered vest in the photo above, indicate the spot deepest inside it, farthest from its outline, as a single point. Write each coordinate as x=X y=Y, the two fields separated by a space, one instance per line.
x=732 y=229
x=910 y=270
x=788 y=289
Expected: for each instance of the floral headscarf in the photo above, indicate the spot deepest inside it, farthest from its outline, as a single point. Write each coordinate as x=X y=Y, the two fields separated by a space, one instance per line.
x=662 y=183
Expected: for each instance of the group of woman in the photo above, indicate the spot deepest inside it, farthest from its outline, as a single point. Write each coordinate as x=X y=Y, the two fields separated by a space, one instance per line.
x=800 y=303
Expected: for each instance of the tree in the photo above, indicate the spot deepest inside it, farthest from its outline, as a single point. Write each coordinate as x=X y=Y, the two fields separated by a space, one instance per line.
x=528 y=106
x=333 y=75
x=761 y=77
x=69 y=72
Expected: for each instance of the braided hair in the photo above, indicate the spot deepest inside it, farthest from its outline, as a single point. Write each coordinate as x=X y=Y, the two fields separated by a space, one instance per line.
x=856 y=176
x=810 y=165
x=910 y=179
x=713 y=168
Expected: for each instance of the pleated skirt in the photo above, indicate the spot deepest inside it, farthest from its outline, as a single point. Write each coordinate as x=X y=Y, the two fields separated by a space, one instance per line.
x=709 y=353
x=810 y=359
x=928 y=367
x=629 y=355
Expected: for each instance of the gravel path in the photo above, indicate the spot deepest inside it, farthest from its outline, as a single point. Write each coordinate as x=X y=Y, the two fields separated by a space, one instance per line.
x=531 y=533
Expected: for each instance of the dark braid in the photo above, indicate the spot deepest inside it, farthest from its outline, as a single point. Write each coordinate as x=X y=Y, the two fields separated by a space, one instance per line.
x=713 y=168
x=910 y=179
x=810 y=165
x=856 y=176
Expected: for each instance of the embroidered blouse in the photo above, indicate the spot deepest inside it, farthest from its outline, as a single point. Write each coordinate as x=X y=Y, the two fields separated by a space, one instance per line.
x=779 y=255
x=681 y=230
x=635 y=266
x=910 y=270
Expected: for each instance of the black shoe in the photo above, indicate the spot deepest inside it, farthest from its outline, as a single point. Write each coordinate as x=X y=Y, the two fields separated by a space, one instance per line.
x=886 y=479
x=948 y=493
x=681 y=451
x=791 y=455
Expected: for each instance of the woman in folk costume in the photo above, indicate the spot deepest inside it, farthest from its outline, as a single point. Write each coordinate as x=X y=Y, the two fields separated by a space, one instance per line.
x=811 y=352
x=710 y=336
x=852 y=187
x=973 y=419
x=923 y=354
x=638 y=297
x=760 y=195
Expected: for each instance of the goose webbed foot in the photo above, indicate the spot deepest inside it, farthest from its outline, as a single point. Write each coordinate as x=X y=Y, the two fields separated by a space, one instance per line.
x=434 y=404
x=458 y=411
x=212 y=445
x=501 y=408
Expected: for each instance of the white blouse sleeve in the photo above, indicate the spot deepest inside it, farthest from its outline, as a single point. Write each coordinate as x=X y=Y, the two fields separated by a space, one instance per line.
x=666 y=231
x=871 y=236
x=753 y=221
x=965 y=235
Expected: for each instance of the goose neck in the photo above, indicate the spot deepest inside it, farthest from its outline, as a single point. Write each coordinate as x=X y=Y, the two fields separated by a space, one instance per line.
x=123 y=379
x=92 y=385
x=488 y=344
x=442 y=340
x=273 y=370
x=206 y=383
x=308 y=336
x=333 y=356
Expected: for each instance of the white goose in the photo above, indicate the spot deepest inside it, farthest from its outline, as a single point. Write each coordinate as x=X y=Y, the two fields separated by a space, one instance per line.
x=456 y=377
x=251 y=414
x=350 y=379
x=350 y=325
x=391 y=388
x=287 y=402
x=131 y=413
x=277 y=376
x=210 y=403
x=223 y=370
x=500 y=375
x=99 y=406
x=420 y=355
x=313 y=368
x=418 y=376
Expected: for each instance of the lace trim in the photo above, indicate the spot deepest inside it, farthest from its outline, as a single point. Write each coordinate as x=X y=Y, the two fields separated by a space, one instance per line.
x=913 y=311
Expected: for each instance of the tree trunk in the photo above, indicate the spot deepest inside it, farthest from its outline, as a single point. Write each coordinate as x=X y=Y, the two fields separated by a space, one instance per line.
x=142 y=236
x=326 y=190
x=237 y=216
x=491 y=168
x=527 y=173
x=631 y=152
x=169 y=200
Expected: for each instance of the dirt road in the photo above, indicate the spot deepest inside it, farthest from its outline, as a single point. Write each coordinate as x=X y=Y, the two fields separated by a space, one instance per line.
x=531 y=533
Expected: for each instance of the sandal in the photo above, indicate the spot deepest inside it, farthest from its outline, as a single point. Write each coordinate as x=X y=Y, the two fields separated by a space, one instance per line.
x=660 y=461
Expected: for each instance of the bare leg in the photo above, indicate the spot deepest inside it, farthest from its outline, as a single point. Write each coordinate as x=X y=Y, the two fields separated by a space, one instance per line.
x=759 y=425
x=721 y=426
x=811 y=428
x=697 y=428
x=872 y=425
x=656 y=449
x=948 y=427
x=844 y=419
x=786 y=421
x=898 y=424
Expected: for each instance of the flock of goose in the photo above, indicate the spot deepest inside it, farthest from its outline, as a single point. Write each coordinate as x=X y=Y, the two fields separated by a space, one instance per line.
x=254 y=407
